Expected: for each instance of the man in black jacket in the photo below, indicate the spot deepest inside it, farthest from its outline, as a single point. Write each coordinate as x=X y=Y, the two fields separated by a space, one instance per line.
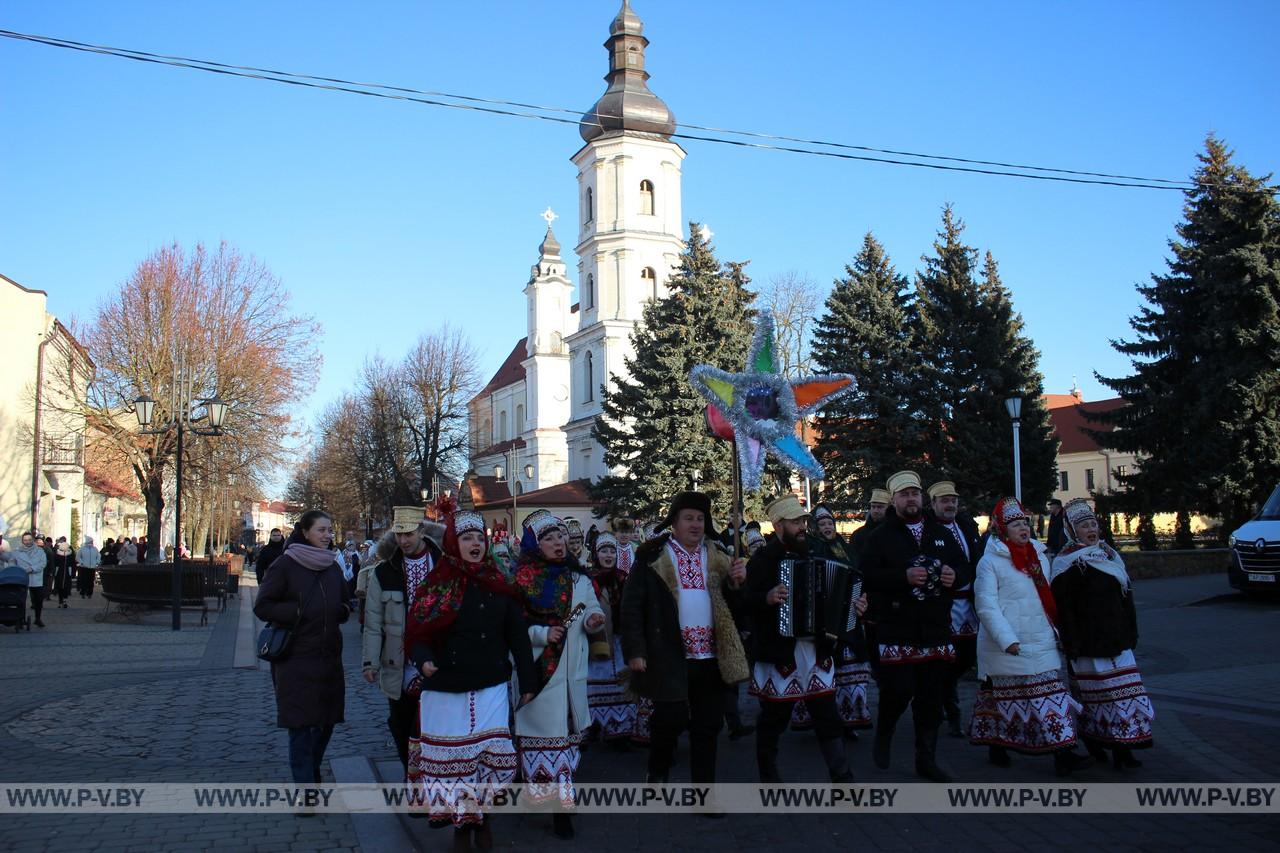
x=268 y=554
x=788 y=669
x=944 y=508
x=679 y=636
x=910 y=566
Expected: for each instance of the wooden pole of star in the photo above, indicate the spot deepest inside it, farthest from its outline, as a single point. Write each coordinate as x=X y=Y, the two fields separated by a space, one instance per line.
x=737 y=499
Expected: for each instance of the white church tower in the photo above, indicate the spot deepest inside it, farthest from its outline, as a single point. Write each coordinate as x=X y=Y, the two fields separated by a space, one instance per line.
x=549 y=296
x=630 y=235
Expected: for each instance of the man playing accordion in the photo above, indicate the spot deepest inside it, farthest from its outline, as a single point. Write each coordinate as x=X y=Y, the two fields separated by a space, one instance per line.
x=793 y=656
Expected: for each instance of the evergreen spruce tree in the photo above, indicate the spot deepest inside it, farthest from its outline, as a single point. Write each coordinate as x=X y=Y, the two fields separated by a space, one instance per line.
x=653 y=425
x=867 y=331
x=977 y=355
x=1203 y=411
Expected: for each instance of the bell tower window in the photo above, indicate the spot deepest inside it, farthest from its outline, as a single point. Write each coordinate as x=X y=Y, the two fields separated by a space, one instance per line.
x=590 y=206
x=588 y=378
x=649 y=281
x=646 y=198
x=591 y=291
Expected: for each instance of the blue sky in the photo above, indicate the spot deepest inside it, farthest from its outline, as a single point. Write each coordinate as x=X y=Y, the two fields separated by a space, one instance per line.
x=385 y=219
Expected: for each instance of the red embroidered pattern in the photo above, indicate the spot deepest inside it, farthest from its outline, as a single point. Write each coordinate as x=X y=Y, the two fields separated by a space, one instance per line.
x=689 y=569
x=699 y=641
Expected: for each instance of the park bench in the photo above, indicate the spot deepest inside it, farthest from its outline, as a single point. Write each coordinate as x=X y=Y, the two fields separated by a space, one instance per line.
x=135 y=588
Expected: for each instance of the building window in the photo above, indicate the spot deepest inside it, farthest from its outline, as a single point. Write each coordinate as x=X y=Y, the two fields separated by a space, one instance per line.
x=1122 y=470
x=650 y=282
x=646 y=197
x=1088 y=479
x=588 y=378
x=502 y=426
x=1064 y=485
x=591 y=291
x=591 y=207
x=519 y=425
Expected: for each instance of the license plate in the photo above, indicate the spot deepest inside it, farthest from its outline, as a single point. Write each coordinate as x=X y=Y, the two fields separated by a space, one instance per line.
x=1259 y=578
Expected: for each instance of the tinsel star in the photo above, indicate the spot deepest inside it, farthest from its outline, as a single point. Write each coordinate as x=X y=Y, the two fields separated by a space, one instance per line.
x=764 y=406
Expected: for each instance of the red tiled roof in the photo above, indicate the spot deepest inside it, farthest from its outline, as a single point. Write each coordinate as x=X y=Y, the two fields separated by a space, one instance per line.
x=572 y=493
x=1069 y=423
x=510 y=371
x=1057 y=401
x=500 y=447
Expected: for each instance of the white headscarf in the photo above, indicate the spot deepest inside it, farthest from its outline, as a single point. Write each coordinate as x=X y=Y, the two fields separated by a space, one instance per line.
x=1100 y=555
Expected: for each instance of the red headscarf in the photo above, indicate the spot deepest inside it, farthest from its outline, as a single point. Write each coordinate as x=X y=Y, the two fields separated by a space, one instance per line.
x=435 y=603
x=1024 y=555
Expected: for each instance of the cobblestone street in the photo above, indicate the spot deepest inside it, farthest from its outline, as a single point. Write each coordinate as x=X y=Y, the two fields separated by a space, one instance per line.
x=119 y=702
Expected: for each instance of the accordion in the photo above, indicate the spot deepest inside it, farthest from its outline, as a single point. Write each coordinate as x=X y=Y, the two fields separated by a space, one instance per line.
x=822 y=599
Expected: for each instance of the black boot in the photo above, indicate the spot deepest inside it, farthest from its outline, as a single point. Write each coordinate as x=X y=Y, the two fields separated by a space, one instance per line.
x=767 y=764
x=1095 y=749
x=926 y=750
x=883 y=744
x=837 y=762
x=1066 y=762
x=1124 y=759
x=562 y=825
x=999 y=756
x=483 y=836
x=461 y=839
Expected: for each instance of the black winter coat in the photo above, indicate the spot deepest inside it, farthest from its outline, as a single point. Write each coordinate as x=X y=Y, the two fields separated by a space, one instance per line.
x=900 y=617
x=473 y=653
x=309 y=682
x=1096 y=619
x=767 y=645
x=651 y=625
x=862 y=535
x=268 y=555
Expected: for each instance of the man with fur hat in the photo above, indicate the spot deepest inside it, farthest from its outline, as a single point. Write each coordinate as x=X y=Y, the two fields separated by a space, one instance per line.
x=944 y=507
x=679 y=636
x=576 y=539
x=788 y=669
x=392 y=585
x=910 y=565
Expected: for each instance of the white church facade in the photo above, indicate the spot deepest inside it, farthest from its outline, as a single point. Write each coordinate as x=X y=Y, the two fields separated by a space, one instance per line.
x=534 y=418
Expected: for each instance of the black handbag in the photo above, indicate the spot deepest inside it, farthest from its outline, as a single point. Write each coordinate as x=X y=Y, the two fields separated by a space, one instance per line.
x=274 y=640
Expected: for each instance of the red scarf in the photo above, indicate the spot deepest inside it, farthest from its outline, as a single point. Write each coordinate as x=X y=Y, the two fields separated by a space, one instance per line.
x=1026 y=560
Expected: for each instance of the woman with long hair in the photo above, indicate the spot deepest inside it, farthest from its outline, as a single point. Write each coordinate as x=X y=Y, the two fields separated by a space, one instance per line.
x=464 y=629
x=305 y=591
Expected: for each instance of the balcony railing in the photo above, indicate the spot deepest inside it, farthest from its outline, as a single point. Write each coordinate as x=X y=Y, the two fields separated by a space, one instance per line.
x=63 y=452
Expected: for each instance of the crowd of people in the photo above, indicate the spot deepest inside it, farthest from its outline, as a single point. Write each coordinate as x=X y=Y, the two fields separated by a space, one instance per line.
x=500 y=657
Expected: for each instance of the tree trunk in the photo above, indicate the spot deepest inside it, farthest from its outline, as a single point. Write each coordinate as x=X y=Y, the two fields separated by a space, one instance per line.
x=155 y=511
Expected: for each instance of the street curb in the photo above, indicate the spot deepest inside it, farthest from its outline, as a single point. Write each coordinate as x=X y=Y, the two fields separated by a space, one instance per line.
x=374 y=831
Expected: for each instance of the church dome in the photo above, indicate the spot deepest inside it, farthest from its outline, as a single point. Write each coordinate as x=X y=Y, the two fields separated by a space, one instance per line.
x=627 y=104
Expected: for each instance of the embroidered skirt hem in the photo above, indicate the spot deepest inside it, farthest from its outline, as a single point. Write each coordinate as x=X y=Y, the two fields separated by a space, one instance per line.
x=1030 y=714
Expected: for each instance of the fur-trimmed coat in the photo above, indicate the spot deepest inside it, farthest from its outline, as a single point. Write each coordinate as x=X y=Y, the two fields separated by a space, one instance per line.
x=651 y=622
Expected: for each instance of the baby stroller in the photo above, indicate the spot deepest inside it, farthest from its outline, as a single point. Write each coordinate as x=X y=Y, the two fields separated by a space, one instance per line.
x=13 y=598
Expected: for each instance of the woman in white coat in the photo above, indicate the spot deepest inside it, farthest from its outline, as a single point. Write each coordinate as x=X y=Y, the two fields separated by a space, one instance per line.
x=560 y=607
x=1023 y=704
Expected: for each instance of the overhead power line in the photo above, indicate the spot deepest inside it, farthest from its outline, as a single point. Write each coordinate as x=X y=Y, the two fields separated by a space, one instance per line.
x=518 y=109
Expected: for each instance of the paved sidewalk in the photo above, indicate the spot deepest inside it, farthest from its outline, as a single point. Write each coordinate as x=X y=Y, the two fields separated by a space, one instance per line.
x=116 y=702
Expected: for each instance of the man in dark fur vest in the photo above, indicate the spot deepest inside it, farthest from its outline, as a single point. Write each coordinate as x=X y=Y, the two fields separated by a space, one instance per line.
x=910 y=565
x=679 y=636
x=944 y=506
x=788 y=669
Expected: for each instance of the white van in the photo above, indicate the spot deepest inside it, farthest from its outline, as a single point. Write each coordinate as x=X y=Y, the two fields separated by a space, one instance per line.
x=1255 y=550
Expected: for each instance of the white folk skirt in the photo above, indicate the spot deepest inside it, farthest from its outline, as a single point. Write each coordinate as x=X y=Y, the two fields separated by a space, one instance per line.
x=611 y=708
x=1026 y=713
x=463 y=754
x=1117 y=710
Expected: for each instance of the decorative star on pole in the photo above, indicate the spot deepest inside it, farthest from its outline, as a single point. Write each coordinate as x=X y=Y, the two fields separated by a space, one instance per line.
x=764 y=406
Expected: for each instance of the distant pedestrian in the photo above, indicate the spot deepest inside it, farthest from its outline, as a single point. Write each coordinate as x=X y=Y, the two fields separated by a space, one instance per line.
x=31 y=557
x=109 y=556
x=127 y=554
x=64 y=570
x=1056 y=537
x=269 y=554
x=305 y=591
x=88 y=560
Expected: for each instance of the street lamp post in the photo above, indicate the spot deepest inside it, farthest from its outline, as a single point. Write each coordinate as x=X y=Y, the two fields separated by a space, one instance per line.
x=1013 y=405
x=181 y=420
x=512 y=484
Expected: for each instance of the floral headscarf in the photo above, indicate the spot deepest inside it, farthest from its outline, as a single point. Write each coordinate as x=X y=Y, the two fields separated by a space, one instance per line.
x=1025 y=557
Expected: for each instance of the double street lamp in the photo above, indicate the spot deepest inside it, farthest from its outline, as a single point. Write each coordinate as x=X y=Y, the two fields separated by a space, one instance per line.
x=183 y=420
x=513 y=486
x=1013 y=405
